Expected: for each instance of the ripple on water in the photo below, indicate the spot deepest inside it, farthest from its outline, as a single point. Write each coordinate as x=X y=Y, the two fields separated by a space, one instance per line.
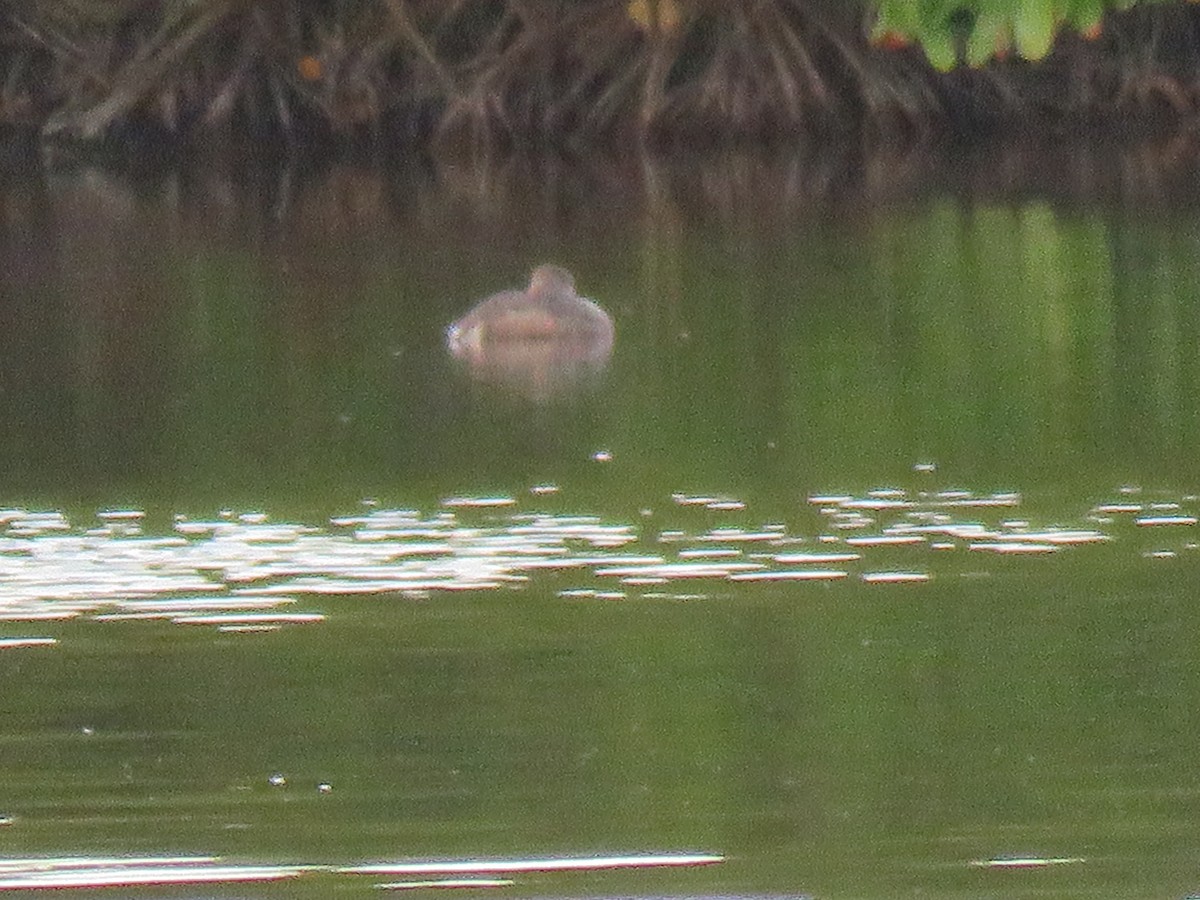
x=243 y=573
x=82 y=872
x=895 y=577
x=12 y=643
x=89 y=873
x=1151 y=521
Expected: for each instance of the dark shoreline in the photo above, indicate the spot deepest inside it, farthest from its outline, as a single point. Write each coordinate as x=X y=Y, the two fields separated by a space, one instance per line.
x=508 y=76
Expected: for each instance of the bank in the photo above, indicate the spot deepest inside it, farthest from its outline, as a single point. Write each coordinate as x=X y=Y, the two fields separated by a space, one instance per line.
x=566 y=73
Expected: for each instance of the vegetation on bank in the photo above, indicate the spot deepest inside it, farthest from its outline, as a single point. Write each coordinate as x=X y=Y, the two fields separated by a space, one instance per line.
x=586 y=71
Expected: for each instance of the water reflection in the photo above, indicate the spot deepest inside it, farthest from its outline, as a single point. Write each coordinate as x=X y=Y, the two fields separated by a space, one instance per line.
x=29 y=875
x=282 y=333
x=245 y=574
x=539 y=370
x=87 y=873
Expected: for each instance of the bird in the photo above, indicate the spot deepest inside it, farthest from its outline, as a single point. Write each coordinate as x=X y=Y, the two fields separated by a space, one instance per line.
x=548 y=311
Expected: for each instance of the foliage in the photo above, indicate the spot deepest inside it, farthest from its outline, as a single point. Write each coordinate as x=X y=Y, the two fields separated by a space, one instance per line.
x=975 y=31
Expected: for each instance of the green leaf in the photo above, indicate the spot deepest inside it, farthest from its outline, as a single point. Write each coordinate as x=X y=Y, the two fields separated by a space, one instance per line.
x=939 y=50
x=1083 y=14
x=934 y=14
x=1033 y=28
x=899 y=16
x=989 y=34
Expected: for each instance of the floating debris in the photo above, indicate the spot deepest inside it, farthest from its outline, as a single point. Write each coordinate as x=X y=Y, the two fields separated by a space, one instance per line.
x=1165 y=520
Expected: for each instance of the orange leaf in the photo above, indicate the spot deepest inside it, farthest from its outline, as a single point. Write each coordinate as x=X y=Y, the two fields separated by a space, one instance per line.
x=309 y=68
x=892 y=40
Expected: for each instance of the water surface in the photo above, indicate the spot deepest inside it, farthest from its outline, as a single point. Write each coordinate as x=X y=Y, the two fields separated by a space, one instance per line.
x=867 y=564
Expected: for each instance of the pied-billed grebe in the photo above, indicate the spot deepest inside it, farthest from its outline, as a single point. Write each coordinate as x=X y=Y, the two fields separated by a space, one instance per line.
x=549 y=310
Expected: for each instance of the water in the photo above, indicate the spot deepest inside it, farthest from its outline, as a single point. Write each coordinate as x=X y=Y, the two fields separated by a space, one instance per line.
x=867 y=566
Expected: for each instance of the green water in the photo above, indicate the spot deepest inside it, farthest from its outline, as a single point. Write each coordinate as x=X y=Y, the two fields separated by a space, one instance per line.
x=248 y=341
